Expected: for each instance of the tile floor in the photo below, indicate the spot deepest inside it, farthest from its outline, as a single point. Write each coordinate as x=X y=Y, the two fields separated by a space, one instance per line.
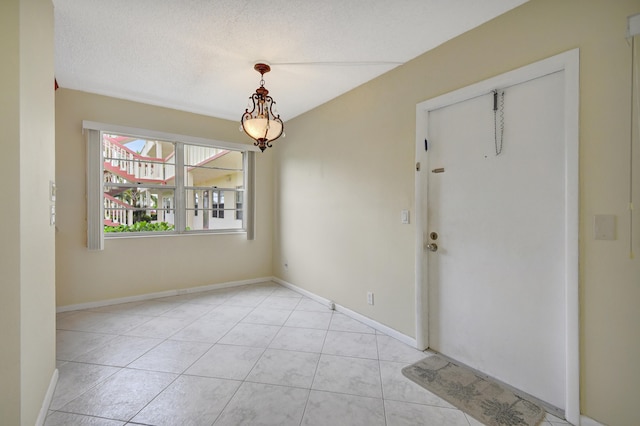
x=252 y=355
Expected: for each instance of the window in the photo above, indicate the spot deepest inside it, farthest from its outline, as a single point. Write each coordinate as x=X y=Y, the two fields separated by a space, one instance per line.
x=218 y=204
x=136 y=174
x=149 y=185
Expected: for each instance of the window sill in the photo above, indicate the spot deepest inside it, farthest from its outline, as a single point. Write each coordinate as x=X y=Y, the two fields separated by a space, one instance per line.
x=130 y=235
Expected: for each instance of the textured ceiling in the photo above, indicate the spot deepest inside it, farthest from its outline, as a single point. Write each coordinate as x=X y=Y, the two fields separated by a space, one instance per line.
x=198 y=55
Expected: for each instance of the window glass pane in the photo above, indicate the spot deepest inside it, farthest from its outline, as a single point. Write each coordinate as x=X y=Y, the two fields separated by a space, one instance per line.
x=134 y=160
x=239 y=202
x=135 y=173
x=211 y=176
x=207 y=167
x=138 y=209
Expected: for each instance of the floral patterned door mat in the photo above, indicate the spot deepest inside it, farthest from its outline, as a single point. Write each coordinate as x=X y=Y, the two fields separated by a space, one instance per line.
x=486 y=401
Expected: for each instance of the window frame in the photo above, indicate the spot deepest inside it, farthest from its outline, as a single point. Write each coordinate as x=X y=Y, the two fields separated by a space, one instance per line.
x=95 y=183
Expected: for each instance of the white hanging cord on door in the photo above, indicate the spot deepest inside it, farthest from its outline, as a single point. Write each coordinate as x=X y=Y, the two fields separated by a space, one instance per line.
x=634 y=96
x=495 y=121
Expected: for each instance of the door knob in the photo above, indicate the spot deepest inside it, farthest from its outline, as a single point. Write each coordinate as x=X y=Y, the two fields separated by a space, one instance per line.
x=432 y=247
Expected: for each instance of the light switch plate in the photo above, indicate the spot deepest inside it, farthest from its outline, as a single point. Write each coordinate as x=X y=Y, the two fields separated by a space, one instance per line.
x=604 y=227
x=404 y=217
x=52 y=191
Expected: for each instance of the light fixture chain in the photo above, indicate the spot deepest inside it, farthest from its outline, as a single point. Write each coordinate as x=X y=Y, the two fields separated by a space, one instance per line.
x=498 y=146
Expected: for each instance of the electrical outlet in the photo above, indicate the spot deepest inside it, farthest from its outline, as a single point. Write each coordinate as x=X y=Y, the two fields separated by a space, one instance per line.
x=370 y=297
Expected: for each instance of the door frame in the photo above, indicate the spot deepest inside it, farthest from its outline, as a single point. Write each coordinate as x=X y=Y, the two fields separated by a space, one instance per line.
x=569 y=62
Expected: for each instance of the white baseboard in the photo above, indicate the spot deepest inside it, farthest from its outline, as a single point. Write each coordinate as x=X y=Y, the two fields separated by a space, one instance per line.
x=302 y=291
x=157 y=295
x=46 y=403
x=587 y=421
x=348 y=312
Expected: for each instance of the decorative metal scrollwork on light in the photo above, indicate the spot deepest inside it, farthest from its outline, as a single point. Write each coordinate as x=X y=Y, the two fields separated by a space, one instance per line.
x=260 y=120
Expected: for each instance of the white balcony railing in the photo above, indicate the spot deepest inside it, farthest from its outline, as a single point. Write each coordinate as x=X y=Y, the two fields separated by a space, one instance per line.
x=115 y=211
x=135 y=165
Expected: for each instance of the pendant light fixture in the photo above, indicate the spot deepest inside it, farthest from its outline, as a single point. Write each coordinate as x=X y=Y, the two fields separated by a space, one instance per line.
x=260 y=120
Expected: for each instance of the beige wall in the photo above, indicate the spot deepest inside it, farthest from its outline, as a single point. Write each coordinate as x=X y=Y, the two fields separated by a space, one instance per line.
x=27 y=254
x=37 y=169
x=10 y=214
x=135 y=266
x=346 y=170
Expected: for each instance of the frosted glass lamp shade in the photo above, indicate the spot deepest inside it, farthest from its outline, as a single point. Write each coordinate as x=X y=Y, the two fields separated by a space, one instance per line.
x=261 y=128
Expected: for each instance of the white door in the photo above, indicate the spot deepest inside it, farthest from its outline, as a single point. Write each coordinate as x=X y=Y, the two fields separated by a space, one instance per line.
x=497 y=280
